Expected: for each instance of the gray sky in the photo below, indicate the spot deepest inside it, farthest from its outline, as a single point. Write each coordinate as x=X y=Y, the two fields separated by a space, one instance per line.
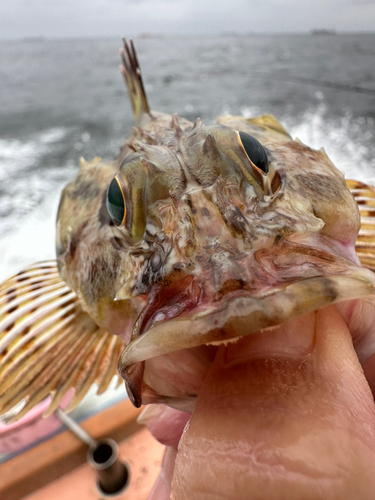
x=82 y=18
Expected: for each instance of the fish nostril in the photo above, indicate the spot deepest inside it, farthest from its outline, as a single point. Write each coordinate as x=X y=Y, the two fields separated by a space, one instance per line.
x=275 y=183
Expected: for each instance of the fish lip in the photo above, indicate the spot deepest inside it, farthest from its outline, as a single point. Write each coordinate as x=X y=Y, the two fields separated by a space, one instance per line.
x=241 y=315
x=171 y=299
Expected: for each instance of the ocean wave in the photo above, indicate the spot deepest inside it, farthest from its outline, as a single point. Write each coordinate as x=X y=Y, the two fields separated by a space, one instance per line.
x=17 y=155
x=346 y=140
x=23 y=186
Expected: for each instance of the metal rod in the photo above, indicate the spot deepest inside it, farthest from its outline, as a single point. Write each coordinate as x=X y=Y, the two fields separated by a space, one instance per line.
x=76 y=428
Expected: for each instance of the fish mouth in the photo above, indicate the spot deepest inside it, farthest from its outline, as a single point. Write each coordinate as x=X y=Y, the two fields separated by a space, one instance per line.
x=178 y=320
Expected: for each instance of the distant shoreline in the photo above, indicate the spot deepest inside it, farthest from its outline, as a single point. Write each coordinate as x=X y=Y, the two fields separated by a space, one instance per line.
x=323 y=32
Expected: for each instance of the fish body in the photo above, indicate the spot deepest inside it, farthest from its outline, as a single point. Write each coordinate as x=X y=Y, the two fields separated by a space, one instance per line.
x=192 y=237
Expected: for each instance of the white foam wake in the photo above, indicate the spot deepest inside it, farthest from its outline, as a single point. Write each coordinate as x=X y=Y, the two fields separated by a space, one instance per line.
x=33 y=242
x=343 y=140
x=16 y=156
x=29 y=201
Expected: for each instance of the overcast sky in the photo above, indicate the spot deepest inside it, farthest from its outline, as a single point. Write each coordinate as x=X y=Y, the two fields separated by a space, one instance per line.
x=88 y=18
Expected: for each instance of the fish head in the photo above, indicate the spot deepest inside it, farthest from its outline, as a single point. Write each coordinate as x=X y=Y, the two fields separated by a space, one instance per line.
x=216 y=233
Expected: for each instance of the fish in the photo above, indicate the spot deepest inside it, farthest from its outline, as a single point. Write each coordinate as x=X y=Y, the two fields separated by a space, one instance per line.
x=193 y=237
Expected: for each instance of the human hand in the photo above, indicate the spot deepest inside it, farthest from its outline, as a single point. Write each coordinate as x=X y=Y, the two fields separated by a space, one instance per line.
x=285 y=414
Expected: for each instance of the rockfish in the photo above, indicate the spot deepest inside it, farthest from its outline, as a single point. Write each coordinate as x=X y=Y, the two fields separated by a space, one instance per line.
x=205 y=261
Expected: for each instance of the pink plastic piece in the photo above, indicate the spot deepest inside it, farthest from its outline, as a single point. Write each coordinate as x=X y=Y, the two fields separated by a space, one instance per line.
x=30 y=429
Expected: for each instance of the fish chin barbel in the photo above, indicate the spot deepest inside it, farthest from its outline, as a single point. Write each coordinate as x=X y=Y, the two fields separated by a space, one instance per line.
x=194 y=236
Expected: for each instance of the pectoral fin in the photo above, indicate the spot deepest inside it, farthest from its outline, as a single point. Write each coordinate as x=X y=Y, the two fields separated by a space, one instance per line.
x=364 y=195
x=48 y=344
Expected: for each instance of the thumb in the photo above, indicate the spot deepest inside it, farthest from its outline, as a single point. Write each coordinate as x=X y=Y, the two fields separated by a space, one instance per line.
x=284 y=414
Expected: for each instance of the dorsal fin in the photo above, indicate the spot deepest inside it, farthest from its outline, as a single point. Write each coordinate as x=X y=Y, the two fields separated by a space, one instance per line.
x=131 y=72
x=364 y=195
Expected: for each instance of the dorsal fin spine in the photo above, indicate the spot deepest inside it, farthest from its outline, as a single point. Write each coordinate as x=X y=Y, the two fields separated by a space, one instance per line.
x=131 y=72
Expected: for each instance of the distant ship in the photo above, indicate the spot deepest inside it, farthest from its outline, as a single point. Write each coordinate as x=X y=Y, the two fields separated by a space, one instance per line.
x=323 y=32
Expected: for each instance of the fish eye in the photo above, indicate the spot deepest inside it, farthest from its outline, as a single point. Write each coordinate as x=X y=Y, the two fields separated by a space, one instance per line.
x=254 y=151
x=116 y=202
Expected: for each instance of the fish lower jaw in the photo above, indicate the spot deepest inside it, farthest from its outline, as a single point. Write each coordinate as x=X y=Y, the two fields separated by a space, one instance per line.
x=167 y=363
x=241 y=315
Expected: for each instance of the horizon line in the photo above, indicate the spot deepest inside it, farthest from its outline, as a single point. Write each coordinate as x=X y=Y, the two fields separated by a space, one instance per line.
x=145 y=35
